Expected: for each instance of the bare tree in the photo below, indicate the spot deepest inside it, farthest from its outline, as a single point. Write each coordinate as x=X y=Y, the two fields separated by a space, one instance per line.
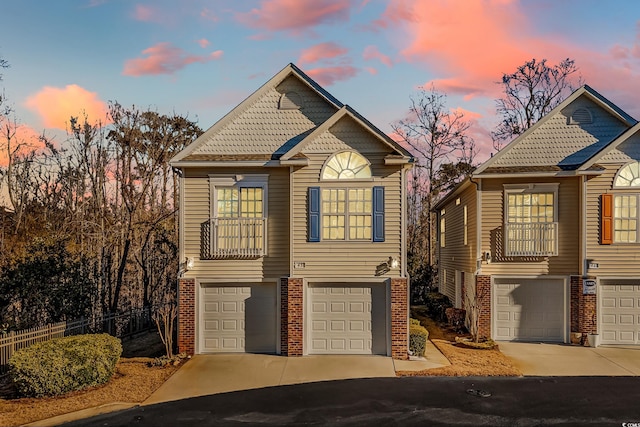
x=534 y=89
x=437 y=136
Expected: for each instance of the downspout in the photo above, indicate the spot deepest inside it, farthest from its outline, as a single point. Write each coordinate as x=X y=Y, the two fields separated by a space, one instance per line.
x=478 y=225
x=583 y=226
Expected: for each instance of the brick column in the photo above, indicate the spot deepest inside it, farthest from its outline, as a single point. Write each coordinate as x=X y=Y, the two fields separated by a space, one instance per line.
x=291 y=316
x=399 y=319
x=483 y=289
x=186 y=315
x=576 y=297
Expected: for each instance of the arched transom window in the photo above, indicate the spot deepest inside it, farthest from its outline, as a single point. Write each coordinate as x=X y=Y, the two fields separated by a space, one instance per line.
x=629 y=176
x=346 y=165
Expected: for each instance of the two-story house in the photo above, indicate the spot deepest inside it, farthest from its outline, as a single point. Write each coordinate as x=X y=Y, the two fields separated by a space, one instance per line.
x=292 y=230
x=548 y=229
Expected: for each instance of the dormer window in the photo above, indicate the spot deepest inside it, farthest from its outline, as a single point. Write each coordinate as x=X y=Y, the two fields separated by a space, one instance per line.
x=346 y=165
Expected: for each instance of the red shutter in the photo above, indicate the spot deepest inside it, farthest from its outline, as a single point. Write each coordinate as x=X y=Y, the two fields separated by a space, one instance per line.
x=606 y=219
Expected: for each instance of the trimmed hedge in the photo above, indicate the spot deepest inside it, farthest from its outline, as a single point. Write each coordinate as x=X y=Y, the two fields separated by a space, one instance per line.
x=437 y=304
x=413 y=321
x=65 y=364
x=418 y=336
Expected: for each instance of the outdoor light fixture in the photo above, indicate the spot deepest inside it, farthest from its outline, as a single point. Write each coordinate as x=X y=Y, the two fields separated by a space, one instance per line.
x=393 y=263
x=189 y=263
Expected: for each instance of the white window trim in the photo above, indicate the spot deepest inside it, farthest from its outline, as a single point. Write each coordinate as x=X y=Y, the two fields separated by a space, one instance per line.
x=530 y=188
x=346 y=213
x=324 y=165
x=546 y=187
x=238 y=181
x=637 y=195
x=620 y=187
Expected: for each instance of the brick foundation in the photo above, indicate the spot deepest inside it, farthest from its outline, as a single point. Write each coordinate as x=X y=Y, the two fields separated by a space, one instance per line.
x=399 y=319
x=483 y=288
x=291 y=316
x=186 y=315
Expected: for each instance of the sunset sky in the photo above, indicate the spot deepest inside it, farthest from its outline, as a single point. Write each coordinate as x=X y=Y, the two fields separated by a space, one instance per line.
x=202 y=57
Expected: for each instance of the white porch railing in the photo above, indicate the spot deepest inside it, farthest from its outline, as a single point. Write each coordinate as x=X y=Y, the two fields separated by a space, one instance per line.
x=234 y=238
x=531 y=239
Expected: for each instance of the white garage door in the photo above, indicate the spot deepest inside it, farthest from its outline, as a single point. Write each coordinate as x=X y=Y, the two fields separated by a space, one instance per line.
x=238 y=318
x=620 y=314
x=348 y=319
x=529 y=310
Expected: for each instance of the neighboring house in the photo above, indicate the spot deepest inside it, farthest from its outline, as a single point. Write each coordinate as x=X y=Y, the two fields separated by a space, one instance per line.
x=292 y=229
x=548 y=229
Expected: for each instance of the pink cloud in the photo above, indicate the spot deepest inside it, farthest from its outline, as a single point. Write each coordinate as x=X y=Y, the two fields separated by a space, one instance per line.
x=456 y=87
x=147 y=13
x=203 y=43
x=164 y=58
x=329 y=75
x=55 y=105
x=279 y=15
x=371 y=70
x=25 y=137
x=209 y=15
x=321 y=51
x=372 y=52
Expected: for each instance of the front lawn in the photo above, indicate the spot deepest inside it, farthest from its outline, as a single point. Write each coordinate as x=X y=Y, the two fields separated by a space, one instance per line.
x=133 y=382
x=464 y=361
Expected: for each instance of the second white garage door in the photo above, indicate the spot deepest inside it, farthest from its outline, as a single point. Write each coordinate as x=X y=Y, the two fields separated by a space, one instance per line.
x=620 y=318
x=529 y=310
x=347 y=319
x=238 y=318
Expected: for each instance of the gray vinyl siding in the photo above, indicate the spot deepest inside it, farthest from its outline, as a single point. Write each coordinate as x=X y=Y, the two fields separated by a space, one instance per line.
x=456 y=255
x=197 y=211
x=569 y=211
x=617 y=259
x=346 y=259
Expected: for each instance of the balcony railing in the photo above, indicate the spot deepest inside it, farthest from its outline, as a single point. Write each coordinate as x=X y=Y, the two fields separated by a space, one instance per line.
x=531 y=239
x=241 y=238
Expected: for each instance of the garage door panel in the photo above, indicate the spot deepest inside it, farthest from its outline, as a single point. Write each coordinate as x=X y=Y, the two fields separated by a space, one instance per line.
x=529 y=310
x=239 y=318
x=348 y=318
x=619 y=313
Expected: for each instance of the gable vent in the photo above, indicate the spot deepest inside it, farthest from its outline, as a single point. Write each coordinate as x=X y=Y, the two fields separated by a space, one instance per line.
x=580 y=116
x=291 y=101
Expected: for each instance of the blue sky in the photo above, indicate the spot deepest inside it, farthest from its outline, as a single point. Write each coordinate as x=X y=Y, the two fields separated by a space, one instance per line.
x=202 y=57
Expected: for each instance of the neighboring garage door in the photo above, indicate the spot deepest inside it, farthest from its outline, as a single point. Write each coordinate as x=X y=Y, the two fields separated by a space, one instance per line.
x=238 y=318
x=620 y=313
x=529 y=310
x=348 y=319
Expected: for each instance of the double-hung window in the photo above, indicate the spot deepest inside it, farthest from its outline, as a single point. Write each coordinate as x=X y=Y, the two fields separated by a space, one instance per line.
x=623 y=227
x=237 y=227
x=347 y=207
x=531 y=227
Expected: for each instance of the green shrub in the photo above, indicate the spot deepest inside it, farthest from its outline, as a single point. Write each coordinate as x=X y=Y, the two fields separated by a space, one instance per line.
x=418 y=336
x=413 y=321
x=437 y=304
x=65 y=364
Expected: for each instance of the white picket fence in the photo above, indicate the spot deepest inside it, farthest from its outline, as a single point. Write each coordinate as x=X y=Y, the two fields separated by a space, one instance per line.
x=120 y=325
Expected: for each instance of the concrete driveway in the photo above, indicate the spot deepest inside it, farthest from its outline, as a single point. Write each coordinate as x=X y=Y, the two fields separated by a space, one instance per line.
x=546 y=359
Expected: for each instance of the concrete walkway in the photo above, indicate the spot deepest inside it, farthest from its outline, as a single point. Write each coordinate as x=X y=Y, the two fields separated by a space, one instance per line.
x=221 y=373
x=545 y=359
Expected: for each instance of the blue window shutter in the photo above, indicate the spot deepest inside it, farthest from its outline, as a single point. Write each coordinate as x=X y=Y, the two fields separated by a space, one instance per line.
x=378 y=214
x=314 y=214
